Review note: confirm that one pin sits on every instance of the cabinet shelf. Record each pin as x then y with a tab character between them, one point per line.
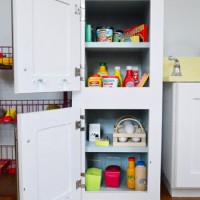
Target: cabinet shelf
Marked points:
116	46
91	147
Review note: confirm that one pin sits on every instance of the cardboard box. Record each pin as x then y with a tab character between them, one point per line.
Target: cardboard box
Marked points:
141	31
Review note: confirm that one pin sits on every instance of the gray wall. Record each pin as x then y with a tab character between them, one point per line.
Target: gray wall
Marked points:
182	28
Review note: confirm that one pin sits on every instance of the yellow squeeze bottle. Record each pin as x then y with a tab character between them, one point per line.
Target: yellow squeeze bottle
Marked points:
102	69
117	72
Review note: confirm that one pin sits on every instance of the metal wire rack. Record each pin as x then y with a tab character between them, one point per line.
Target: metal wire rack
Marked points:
6	54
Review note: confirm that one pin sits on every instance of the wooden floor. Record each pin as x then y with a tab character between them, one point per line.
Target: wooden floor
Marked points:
8	190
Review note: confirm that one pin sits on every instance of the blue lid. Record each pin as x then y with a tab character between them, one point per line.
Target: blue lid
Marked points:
140	163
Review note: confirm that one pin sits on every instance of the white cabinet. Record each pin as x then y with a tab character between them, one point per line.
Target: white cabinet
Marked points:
71	147
180	160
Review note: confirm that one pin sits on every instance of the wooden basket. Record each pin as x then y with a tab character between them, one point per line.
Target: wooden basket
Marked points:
139	133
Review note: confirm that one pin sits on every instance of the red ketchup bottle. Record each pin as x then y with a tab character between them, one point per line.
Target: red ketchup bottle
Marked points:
129	80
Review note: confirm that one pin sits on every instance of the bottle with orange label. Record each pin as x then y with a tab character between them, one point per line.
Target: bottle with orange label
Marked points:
130	173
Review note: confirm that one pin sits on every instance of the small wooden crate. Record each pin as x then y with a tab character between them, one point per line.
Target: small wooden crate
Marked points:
129	143
138	134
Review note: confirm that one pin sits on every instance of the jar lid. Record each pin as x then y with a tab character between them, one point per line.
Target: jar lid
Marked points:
117	67
110	77
113	168
129	67
141	163
131	159
104	27
95	75
119	31
102	63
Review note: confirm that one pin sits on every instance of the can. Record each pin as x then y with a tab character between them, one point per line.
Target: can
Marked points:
104	34
110	81
117	35
94	81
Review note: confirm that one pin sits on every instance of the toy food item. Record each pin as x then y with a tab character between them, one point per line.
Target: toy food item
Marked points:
52	106
104	34
94	81
141	31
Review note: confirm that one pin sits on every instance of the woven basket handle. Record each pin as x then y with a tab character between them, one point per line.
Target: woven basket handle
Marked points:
125	118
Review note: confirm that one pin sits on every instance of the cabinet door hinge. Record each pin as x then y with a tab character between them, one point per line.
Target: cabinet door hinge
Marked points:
78	73
79	184
78	126
77	9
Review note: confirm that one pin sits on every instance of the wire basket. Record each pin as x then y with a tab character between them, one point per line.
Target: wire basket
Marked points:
7	159
6	60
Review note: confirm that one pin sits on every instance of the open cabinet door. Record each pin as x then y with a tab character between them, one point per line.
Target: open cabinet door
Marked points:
49	155
46	45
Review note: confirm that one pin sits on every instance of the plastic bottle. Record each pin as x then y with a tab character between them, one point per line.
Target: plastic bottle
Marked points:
140	176
130	173
136	74
117	72
102	69
129	79
94	81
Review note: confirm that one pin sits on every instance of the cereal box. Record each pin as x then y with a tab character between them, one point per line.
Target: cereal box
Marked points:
140	30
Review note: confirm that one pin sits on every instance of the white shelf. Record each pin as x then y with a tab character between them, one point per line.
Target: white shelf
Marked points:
91	147
115	46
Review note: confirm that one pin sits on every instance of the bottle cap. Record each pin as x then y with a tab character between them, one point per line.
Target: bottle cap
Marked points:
102	64
131	159
129	68
117	67
141	163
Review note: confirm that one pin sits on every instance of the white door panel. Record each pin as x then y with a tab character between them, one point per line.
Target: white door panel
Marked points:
49	155
188	137
46	45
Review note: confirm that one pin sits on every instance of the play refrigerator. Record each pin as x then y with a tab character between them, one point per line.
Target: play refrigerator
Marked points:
51	55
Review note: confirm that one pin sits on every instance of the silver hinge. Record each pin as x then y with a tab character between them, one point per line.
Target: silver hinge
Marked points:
82	116
78	73
79	185
77	9
78	126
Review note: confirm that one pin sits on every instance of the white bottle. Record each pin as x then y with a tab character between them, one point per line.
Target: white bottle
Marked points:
140	176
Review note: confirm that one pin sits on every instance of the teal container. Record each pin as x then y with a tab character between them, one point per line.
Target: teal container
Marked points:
88	33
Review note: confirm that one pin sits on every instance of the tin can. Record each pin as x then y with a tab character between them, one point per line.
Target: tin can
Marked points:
104	34
110	81
117	35
94	81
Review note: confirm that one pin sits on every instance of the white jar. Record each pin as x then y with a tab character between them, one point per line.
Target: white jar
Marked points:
140	176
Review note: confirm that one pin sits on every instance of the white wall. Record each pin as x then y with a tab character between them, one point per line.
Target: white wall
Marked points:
5	23
182	28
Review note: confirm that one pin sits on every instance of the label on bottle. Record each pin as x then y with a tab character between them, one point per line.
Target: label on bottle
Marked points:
130	84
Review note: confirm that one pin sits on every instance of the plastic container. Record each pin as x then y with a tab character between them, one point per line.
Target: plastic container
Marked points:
130	173
129	79
112	176
88	33
140	176
136	74
117	72
95	81
102	69
110	81
93	179
104	34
